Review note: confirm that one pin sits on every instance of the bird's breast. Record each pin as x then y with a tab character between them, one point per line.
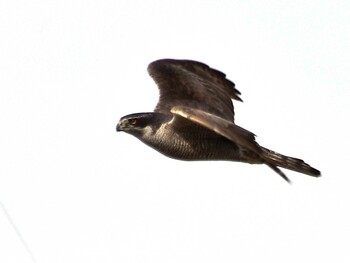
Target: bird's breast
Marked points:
193	143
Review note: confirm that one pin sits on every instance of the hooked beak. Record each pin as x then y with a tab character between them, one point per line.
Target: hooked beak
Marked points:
120	126
123	125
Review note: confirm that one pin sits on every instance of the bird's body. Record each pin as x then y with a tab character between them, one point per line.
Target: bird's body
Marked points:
206	145
194	119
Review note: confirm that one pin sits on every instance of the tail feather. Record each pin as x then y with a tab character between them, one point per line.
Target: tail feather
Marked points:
274	159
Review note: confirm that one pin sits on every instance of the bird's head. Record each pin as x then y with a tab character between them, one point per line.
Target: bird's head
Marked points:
138	124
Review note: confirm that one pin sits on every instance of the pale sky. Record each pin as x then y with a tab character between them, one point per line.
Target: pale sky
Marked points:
73	190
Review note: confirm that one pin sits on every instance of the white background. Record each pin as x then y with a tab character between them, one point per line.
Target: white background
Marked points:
77	191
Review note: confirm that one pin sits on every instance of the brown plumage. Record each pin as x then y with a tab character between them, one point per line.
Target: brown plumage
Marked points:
194	119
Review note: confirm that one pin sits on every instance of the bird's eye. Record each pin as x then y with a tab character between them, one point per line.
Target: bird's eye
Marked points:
133	121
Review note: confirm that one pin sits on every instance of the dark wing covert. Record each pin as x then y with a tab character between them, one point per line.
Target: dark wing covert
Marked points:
193	84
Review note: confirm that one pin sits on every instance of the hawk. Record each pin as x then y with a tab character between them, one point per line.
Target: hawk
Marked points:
194	119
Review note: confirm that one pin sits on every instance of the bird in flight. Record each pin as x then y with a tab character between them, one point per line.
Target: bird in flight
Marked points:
194	119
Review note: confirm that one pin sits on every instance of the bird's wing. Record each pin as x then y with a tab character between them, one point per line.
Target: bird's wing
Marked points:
241	137
227	129
193	84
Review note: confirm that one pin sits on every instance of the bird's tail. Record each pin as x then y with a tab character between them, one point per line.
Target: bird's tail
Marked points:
274	159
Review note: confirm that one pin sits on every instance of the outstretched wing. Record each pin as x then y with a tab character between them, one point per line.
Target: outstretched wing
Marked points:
195	85
242	137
